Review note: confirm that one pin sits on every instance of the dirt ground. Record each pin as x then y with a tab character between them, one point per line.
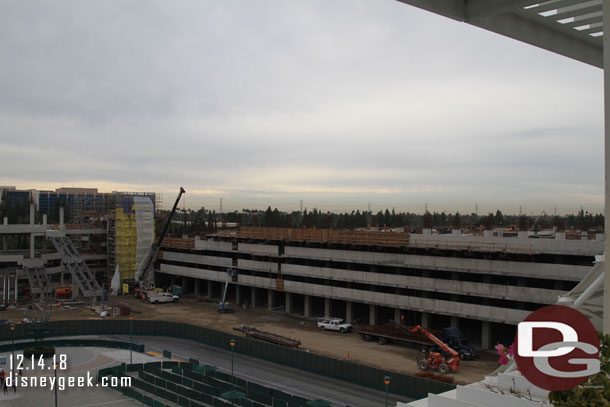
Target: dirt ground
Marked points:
391	357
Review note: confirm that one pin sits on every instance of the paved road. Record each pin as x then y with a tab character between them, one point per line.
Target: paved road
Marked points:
284	378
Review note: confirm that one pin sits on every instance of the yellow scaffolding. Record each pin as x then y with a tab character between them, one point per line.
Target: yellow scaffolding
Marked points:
126	243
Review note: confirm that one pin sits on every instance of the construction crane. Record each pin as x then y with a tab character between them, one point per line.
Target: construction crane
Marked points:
543	213
445	361
223	308
145	280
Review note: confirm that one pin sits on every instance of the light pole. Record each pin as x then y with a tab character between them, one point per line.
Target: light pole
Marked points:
12	327
55	368
130	342
386	380
232	343
233	394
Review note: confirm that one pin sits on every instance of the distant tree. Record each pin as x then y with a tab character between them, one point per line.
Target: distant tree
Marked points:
523	222
489	221
558	223
211	222
499	218
387	220
427	220
599	220
457	221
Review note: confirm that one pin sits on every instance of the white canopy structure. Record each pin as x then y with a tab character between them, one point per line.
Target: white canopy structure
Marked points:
573	28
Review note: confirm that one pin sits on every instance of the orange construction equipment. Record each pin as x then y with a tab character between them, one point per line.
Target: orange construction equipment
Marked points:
445	361
65	292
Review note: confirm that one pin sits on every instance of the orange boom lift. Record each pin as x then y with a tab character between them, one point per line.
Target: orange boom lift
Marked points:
445	361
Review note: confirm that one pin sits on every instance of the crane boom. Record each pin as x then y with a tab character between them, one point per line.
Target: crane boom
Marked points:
144	275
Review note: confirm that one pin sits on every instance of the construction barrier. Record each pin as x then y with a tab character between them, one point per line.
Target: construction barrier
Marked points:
402	384
64	343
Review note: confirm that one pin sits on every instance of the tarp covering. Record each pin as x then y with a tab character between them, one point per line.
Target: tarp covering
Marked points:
145	227
115	284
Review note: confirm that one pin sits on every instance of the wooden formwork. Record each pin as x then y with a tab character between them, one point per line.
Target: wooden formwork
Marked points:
357	237
178	243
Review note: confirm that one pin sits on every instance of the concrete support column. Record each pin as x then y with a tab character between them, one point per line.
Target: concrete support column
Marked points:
237	295
288	306
606	11
454	322
372	314
4	246
197	287
61	218
485	335
327	307
269	299
425	323
348	312
253	296
209	292
307	306
183	284
31	234
61	278
397	315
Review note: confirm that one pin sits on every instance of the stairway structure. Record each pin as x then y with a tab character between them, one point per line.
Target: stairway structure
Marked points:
81	274
40	286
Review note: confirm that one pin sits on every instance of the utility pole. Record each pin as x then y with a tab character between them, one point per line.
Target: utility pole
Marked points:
476	209
426	208
519	210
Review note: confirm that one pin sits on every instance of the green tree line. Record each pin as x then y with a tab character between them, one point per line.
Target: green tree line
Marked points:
202	220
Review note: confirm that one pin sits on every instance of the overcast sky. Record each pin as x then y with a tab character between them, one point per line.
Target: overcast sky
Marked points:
269	102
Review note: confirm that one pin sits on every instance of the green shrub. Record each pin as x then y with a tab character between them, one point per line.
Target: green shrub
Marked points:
37	350
595	391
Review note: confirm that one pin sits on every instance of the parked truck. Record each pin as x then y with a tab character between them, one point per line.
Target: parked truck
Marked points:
156	298
333	324
393	332
456	340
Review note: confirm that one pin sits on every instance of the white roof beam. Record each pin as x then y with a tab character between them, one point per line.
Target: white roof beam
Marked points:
576	12
485	8
455	10
555	5
543	36
510	19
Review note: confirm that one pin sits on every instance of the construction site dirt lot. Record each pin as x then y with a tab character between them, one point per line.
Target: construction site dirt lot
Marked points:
391	357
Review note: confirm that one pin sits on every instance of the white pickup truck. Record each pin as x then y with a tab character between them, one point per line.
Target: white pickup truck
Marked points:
333	324
156	298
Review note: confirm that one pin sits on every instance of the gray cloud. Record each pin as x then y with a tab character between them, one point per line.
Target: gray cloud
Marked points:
270	102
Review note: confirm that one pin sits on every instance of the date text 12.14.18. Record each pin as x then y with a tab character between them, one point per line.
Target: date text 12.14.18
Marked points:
58	361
